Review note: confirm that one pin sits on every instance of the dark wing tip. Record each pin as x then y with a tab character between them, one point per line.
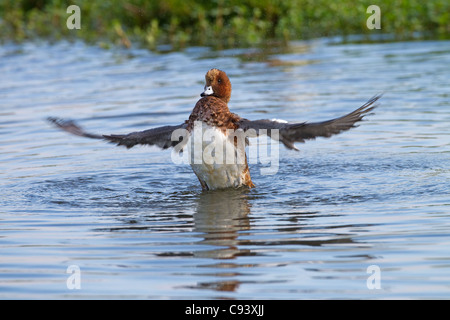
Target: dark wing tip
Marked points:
370	105
365	110
61	123
71	127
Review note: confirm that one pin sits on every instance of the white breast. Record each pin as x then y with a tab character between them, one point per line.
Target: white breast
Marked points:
214	157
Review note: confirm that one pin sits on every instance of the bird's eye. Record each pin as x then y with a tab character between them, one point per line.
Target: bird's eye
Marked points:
220	80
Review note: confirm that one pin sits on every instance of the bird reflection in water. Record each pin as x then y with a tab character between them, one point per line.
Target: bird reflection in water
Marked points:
221	217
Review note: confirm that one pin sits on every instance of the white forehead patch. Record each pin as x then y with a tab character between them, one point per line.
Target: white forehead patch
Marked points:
208	91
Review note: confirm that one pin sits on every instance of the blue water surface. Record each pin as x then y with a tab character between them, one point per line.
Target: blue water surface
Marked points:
139	226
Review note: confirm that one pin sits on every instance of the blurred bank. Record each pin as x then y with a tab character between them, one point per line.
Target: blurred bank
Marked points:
220	23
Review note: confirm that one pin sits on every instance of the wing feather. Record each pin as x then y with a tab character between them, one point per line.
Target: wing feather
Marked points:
161	136
289	133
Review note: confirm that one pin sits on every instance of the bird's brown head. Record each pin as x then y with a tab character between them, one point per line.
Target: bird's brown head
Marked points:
217	85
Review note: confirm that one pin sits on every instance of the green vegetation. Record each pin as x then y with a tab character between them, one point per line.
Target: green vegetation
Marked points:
218	23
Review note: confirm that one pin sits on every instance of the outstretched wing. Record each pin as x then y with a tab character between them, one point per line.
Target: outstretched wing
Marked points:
161	136
289	133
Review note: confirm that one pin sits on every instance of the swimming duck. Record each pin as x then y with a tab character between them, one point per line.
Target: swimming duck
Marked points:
211	113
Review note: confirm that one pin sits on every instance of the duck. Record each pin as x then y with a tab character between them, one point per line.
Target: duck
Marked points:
212	116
